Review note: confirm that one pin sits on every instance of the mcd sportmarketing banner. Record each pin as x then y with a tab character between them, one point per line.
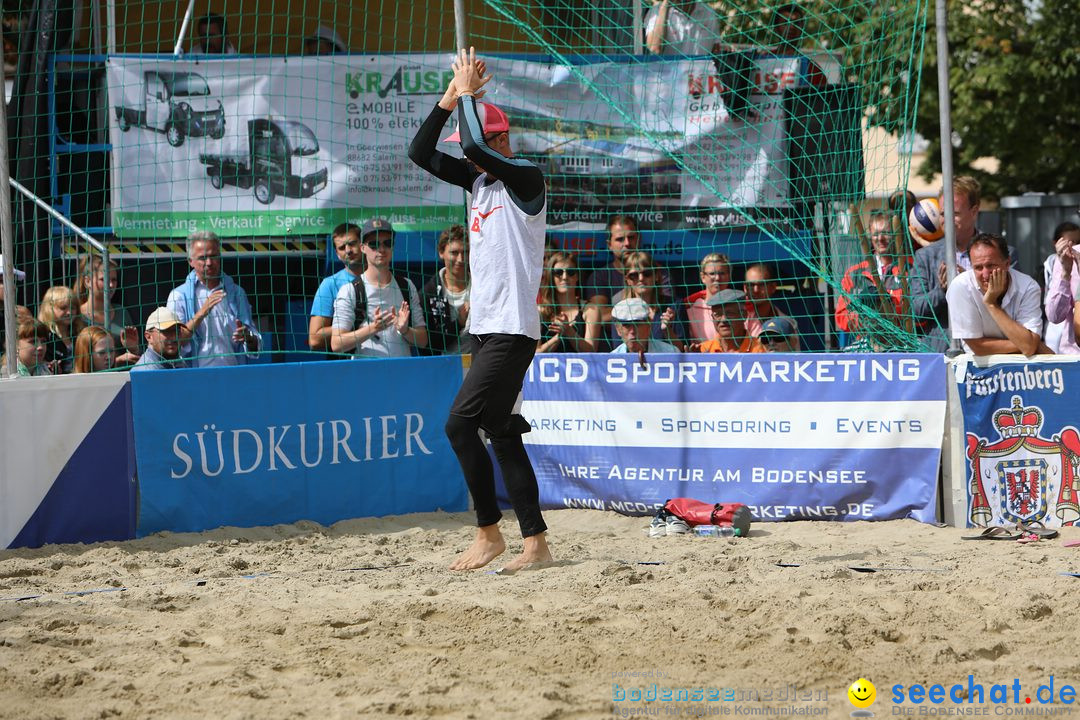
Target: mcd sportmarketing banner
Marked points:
794	437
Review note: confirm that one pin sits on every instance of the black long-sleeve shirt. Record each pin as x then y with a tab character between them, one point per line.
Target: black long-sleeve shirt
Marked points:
523	179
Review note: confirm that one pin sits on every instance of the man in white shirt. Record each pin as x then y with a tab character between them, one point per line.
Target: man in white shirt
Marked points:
507	222
993	309
217	327
382	322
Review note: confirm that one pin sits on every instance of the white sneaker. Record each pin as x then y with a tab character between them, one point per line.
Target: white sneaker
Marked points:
676	525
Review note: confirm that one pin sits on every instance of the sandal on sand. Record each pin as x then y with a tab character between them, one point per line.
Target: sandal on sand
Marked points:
995	532
1039	530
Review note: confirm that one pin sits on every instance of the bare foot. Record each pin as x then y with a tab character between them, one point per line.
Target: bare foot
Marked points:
535	552
487	546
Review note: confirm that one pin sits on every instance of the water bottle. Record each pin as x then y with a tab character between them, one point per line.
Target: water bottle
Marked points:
717	531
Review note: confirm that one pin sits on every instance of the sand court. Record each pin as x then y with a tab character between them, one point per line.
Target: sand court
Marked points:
362	619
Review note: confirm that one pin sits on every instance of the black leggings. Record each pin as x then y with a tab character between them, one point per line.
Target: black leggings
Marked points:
486	400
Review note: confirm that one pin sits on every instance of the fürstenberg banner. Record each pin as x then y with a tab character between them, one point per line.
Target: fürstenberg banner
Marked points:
273	146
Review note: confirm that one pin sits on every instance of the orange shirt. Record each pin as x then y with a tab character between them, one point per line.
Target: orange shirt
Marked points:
749	345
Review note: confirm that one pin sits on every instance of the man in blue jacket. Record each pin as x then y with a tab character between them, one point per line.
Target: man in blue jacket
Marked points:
217	325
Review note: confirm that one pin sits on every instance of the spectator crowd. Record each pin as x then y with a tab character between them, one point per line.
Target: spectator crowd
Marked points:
628	305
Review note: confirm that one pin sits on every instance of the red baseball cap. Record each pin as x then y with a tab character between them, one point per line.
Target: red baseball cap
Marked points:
492	119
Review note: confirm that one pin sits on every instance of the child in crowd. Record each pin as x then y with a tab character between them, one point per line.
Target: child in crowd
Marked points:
32	339
58	314
95	350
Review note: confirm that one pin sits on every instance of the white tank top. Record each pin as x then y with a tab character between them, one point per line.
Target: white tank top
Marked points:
506	260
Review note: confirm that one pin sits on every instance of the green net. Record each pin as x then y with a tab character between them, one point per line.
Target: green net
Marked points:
744	145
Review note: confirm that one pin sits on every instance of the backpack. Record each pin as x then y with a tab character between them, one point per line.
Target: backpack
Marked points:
361	297
696	512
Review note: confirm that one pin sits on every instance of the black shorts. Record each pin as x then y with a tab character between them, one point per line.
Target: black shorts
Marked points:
491	386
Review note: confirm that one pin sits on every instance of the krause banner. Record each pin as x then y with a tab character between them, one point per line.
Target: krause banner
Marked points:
267	444
272	146
1022	444
795	437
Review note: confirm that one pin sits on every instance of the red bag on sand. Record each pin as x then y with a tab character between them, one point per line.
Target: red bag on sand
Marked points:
696	512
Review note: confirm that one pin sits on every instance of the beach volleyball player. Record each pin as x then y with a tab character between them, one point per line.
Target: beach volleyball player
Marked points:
507	220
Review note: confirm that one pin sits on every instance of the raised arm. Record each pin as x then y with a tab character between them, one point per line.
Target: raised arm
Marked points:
521	177
423	152
655	28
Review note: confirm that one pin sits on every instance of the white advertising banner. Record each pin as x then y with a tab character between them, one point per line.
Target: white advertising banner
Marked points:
275	146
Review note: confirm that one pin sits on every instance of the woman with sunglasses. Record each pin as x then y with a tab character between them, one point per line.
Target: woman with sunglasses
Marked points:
641	276
568	323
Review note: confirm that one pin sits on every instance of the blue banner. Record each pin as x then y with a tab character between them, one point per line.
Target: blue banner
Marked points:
67	461
795	437
1022	444
321	441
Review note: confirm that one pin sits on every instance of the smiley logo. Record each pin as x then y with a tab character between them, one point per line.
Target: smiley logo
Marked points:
862	693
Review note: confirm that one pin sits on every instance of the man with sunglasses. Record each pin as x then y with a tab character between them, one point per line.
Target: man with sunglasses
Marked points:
779	334
507	221
389	324
729	316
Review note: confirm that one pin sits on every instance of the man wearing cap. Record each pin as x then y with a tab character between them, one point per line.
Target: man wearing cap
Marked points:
379	314
216	324
634	326
779	334
729	317
325	41
162	342
507	221
347	240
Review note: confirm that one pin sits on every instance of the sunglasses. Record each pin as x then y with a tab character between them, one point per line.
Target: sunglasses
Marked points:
563	272
633	276
376	244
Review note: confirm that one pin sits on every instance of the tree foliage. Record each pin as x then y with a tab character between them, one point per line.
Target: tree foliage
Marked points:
1014	76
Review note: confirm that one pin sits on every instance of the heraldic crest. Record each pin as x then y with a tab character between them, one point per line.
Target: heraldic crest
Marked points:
1023	477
